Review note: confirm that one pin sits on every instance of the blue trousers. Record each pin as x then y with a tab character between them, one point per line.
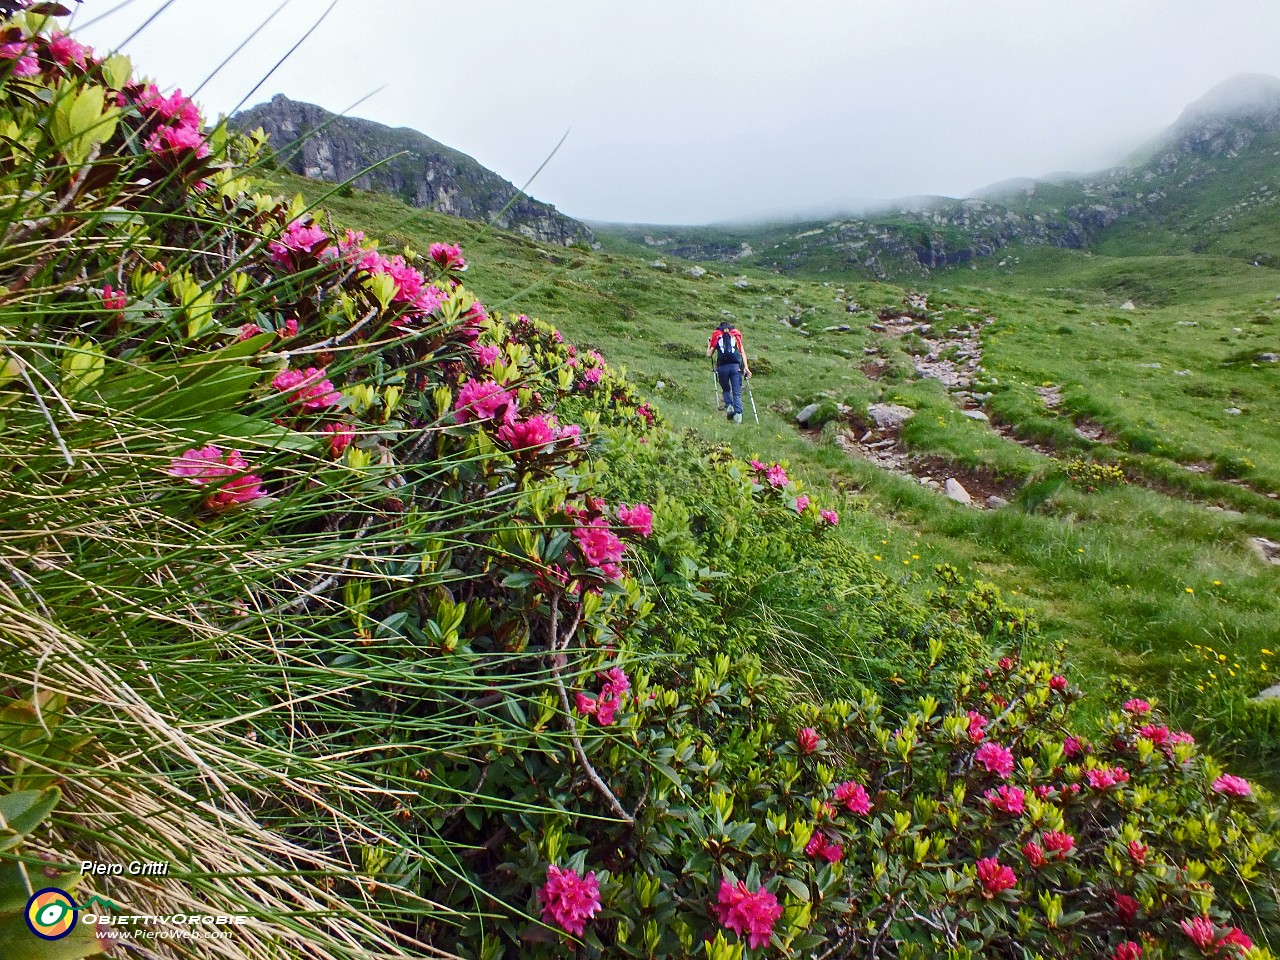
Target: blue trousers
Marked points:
731	384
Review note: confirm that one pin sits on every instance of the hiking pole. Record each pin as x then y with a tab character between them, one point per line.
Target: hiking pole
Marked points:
715	390
751	393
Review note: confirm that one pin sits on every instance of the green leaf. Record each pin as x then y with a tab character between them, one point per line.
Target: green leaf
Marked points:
116	70
22	812
20	944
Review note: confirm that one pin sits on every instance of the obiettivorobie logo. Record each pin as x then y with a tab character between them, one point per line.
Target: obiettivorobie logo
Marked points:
51	913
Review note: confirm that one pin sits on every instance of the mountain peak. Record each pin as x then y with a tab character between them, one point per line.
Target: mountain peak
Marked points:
1246	96
315	143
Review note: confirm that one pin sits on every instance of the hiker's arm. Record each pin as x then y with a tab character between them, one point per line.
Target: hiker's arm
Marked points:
746	367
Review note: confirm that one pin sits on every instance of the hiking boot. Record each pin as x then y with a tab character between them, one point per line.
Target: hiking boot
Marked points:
737	418
730	416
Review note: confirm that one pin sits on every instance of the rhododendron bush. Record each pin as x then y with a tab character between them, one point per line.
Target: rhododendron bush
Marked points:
401	625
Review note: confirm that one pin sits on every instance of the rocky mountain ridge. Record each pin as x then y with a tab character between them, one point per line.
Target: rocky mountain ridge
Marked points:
316	143
1218	163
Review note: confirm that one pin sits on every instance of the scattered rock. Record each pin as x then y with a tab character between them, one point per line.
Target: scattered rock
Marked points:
1268	551
807	413
1052	396
659	264
741	283
838	328
1128	305
1188	323
957	492
976	415
1233	411
696	272
995	503
1182	373
660	385
853	307
1269	357
889	416
1150	366
1225	511
877	327
1271	693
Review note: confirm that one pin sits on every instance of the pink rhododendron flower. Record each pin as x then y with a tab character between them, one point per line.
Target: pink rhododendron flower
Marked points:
1058	842
807	740
448	256
1071	746
995	759
174	107
776	476
1181	736
429	300
113	299
25	62
637	519
1126	908
1158	736
605	706
1235	786
1235	937
1009	799
616	681
820	846
1034	854
298	237
526	435
994	876
1127	951
65	50
598	544
815	844
830	516
977	727
1005	664
571	432
1058	682
290	329
174	141
758	466
747	913
1103	778
854	797
206	465
1138	852
308	389
248	331
487	355
1137	706
1202	933
340	437
483	400
802	503
592	375
569	899
646	411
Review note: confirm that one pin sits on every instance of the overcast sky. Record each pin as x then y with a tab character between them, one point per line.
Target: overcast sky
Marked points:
694	111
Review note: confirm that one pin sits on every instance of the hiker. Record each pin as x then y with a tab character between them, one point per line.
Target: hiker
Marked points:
725	345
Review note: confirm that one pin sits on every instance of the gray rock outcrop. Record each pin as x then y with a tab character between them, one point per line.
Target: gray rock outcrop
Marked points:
315	143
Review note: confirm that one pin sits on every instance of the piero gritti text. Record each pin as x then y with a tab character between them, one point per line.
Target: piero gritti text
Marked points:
135	868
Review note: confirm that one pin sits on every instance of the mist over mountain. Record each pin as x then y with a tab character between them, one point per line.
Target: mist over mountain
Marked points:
1213	175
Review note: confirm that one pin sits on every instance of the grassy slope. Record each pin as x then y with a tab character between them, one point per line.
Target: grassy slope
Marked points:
1108	572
